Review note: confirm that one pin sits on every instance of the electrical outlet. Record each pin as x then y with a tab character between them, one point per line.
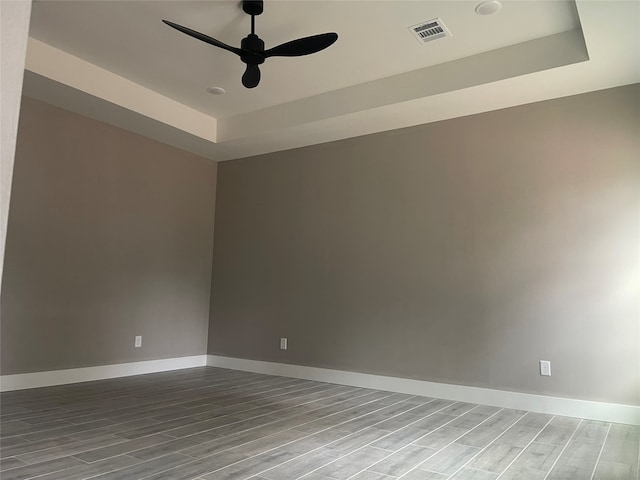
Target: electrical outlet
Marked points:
545	368
283	343
138	341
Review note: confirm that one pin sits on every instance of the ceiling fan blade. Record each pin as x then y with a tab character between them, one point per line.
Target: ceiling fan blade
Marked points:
302	46
203	37
251	77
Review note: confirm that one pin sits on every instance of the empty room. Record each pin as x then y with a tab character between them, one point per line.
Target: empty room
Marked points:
320	240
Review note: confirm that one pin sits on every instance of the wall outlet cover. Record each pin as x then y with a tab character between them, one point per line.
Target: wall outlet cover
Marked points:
545	368
138	341
283	343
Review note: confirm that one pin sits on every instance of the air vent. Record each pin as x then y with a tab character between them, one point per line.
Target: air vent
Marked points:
430	30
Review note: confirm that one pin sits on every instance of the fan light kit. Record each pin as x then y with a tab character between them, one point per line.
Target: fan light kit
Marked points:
252	50
488	8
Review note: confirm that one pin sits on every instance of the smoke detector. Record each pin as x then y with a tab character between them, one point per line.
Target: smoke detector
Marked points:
430	30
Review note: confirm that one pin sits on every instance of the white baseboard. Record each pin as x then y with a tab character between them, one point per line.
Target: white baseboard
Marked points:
609	412
76	375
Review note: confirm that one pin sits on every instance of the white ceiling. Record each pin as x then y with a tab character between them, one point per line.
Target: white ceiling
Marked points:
115	61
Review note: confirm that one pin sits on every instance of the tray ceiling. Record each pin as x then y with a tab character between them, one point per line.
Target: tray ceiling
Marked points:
115	61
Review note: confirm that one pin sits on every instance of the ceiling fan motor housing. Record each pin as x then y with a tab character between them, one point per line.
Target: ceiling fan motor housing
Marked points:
253	49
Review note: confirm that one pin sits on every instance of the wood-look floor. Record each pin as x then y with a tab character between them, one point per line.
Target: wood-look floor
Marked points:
215	424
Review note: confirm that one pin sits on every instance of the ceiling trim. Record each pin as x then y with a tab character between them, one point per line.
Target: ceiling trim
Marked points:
528	57
66	69
78	101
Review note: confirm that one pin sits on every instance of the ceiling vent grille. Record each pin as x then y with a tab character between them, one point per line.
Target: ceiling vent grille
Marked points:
430	30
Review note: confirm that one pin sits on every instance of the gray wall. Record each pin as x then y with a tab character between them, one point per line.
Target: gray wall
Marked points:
462	251
109	237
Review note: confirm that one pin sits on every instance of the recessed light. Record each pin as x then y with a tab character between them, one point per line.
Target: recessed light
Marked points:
216	90
488	8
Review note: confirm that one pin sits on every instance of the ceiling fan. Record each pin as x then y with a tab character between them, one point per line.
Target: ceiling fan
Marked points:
252	50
